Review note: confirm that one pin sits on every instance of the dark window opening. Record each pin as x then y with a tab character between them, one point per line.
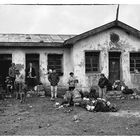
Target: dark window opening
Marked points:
135	62
55	62
5	64
92	62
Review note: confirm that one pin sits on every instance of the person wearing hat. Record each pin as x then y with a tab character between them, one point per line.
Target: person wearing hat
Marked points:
103	83
71	81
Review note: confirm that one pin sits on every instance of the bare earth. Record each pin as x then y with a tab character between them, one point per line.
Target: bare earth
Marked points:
38	116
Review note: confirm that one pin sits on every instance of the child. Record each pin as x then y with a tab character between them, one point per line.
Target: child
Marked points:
23	92
103	83
9	86
18	84
71	81
40	90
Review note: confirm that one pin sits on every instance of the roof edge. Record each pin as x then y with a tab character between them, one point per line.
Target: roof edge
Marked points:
104	27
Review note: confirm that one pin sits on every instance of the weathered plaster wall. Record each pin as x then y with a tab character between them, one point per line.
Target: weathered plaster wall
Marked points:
18	57
101	42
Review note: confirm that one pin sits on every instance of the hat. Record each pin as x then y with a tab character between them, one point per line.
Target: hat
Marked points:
71	73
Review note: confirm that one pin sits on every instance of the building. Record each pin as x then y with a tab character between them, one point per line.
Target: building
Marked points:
112	49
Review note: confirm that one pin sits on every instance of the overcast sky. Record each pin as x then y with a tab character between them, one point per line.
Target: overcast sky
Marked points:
68	19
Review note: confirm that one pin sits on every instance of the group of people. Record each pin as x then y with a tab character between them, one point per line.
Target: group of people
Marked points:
15	82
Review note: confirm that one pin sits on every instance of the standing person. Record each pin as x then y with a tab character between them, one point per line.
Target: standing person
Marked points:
12	75
71	81
103	83
53	79
18	84
31	76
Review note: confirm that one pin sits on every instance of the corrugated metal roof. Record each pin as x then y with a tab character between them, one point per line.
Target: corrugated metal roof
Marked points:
34	38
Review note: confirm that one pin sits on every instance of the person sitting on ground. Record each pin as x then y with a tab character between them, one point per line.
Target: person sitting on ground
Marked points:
71	81
40	90
67	99
76	94
103	83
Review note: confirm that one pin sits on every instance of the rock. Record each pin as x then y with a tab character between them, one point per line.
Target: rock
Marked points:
131	97
39	126
48	125
85	130
75	117
19	118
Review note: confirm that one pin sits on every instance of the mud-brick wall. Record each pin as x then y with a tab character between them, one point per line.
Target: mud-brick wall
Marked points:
18	57
66	64
101	42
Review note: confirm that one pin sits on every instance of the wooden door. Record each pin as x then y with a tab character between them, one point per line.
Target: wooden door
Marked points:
114	67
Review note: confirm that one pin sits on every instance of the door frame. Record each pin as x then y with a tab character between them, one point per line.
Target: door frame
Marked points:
120	62
28	59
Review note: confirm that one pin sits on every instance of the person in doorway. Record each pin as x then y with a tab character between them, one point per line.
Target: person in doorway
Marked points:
31	77
103	83
53	79
12	75
71	81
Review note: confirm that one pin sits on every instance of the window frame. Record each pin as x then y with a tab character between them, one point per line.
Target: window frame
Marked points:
135	58
91	63
61	65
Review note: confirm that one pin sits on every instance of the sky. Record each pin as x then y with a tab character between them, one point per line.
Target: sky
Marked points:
64	19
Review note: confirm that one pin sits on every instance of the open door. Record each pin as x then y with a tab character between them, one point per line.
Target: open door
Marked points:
114	66
34	59
5	63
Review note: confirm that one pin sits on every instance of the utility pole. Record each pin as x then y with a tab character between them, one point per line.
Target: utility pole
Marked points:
117	13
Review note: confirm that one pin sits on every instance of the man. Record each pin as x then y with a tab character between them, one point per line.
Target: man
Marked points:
103	83
53	79
12	75
31	76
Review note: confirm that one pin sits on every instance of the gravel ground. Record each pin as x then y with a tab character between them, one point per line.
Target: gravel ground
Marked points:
38	116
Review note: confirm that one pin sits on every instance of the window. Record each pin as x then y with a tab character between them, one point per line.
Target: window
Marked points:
92	62
135	62
55	61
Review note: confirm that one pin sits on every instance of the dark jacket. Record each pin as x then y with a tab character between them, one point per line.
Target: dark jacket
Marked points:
33	74
103	82
53	79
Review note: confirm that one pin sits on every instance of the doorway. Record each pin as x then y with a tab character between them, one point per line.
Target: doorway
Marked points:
34	59
114	66
5	63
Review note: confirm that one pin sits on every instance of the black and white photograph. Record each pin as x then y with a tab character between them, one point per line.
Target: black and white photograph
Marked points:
69	68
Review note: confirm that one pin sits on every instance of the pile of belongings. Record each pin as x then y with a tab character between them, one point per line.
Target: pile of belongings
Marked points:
118	85
98	105
91	104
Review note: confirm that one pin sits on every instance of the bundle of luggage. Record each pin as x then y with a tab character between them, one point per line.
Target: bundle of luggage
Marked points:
99	105
91	103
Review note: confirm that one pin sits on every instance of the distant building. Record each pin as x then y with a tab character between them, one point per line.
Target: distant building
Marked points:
112	49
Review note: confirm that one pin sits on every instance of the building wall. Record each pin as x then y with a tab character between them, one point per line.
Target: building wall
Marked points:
18	57
101	42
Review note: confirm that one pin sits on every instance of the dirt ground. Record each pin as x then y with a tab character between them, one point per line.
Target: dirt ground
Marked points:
38	116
